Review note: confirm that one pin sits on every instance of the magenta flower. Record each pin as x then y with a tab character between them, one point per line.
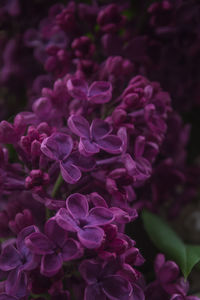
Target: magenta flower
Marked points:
103	282
99	92
17	261
54	246
59	147
94	137
77	217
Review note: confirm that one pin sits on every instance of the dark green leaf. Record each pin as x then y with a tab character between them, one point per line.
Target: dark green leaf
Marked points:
164	238
193	257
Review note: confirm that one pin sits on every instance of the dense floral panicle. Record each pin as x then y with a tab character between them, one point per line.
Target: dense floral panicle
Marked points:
96	134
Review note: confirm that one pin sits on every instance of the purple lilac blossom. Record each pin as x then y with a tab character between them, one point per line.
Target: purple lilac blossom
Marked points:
112	136
77	217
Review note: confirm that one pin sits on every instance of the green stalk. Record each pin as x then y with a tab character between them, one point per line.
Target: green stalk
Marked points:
57	185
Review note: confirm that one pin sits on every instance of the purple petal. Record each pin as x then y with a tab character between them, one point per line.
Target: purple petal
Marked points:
94	291
10	258
71	250
91	237
79	126
122	134
139	146
116	287
97	200
77	206
168	272
7	297
84	163
51	264
65	221
99	129
99	216
23	234
111	144
55	233
138	293
16	284
58	146
39	243
90	270
159	262
77	88
100	92
70	173
87	148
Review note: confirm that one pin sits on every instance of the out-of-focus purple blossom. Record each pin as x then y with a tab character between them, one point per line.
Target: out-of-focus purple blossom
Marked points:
110	19
22	219
99	92
77	217
83	47
168	282
103	281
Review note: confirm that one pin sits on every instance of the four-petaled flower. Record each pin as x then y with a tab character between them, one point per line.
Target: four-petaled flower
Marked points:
99	92
103	282
17	260
54	246
59	147
77	217
94	137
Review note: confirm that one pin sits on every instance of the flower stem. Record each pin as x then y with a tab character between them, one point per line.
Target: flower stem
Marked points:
57	185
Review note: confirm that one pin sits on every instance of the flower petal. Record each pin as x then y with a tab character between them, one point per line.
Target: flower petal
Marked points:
10	258
7	297
77	88
79	126
65	221
71	250
58	146
99	216
40	244
87	148
90	270
23	234
111	144
99	129
51	264
116	287
94	291
55	233
84	163
77	206
16	284
100	92
70	173
91	237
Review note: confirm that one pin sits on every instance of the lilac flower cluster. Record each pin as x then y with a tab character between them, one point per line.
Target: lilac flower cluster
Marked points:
94	148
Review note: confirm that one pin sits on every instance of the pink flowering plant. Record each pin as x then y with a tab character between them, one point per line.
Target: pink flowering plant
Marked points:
94	170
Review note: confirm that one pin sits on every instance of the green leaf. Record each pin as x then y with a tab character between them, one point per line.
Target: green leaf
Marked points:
193	257
168	242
